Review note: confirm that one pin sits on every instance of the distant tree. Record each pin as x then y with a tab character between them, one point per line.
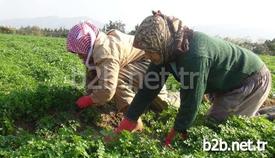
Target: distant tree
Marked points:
35	30
47	32
270	44
7	30
261	49
243	42
118	25
60	32
268	47
133	32
24	30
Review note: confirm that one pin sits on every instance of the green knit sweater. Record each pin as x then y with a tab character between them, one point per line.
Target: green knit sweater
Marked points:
211	65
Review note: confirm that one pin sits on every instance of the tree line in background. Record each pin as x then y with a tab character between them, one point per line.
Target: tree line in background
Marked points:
59	32
266	47
35	30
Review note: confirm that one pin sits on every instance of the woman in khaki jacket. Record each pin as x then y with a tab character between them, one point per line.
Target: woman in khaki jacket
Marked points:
115	68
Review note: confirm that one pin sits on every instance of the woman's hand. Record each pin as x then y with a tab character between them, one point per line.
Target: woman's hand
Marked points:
84	101
171	135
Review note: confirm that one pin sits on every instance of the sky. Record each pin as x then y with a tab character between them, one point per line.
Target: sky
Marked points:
241	13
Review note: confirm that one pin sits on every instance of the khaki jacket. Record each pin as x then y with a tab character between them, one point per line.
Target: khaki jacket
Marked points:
111	53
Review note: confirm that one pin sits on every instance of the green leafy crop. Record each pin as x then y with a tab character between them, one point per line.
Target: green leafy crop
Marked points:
39	83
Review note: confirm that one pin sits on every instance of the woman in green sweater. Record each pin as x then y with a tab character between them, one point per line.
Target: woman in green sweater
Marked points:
237	78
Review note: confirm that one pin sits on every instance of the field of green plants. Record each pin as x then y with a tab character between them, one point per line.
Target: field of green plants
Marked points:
39	83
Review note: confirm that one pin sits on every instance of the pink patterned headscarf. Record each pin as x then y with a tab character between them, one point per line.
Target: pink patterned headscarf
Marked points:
81	38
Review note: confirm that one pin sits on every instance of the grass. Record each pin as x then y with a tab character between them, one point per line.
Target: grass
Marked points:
38	116
270	62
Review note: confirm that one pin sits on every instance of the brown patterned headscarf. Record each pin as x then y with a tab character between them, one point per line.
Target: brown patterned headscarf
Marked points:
164	35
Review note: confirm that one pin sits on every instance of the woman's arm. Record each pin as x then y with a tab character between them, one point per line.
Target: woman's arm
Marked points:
153	82
192	91
107	73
